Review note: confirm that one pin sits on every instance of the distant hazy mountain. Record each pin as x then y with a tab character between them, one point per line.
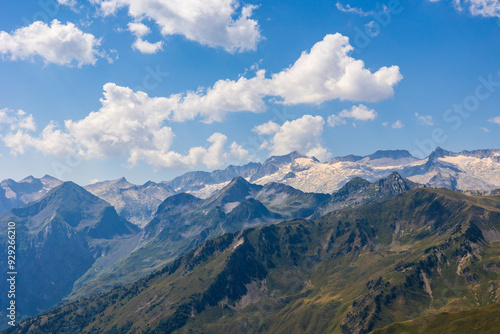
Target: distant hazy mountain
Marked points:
59	237
135	203
468	171
16	194
421	255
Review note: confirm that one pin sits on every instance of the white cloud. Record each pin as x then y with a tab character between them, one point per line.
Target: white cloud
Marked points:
52	141
385	124
122	131
212	157
397	125
484	8
424	119
224	97
303	135
325	73
72	4
62	44
215	23
268	128
147	47
334	120
353	10
238	152
126	121
140	30
495	120
128	124
328	72
136	125
17	120
360	113
484	129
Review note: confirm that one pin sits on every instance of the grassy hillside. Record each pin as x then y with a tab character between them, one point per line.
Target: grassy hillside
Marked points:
480	320
352	271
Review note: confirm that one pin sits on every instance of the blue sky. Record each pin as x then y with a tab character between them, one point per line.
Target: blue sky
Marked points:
151	89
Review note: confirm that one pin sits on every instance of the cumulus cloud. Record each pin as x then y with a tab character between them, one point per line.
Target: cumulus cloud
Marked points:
239	153
62	44
120	132
140	30
302	134
225	96
328	72
127	124
126	120
268	128
424	119
214	156
215	23
52	141
147	47
397	125
325	73
359	113
131	123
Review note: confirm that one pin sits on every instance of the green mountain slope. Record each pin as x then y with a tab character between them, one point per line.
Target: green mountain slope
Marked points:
484	320
351	271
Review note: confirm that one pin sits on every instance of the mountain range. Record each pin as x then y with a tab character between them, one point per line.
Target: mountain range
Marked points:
471	171
428	254
112	233
101	250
